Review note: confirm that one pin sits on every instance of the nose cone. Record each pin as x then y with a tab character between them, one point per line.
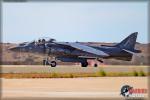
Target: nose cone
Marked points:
15	49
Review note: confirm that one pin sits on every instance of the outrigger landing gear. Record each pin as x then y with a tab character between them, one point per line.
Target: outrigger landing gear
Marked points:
95	65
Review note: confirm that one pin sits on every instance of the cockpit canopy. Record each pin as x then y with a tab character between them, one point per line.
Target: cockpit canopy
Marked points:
39	41
45	40
22	44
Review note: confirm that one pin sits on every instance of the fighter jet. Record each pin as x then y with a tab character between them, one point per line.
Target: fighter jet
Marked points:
79	52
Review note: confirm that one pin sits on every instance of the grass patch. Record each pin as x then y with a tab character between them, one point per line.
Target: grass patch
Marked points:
135	73
119	74
142	73
100	73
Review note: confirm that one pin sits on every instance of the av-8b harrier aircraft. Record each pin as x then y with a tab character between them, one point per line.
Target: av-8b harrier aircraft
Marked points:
79	52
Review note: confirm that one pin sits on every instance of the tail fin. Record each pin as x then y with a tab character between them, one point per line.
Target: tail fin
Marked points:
129	42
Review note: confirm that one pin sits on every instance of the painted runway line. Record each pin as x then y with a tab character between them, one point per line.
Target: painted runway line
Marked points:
28	93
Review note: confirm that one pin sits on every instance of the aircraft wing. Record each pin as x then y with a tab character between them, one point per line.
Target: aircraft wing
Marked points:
85	48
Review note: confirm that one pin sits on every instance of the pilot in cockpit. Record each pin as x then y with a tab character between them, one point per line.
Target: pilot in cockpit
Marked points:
43	41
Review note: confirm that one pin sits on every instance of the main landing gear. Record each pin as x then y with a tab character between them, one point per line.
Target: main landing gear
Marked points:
84	64
96	63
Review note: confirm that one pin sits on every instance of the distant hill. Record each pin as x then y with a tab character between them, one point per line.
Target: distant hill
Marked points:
9	57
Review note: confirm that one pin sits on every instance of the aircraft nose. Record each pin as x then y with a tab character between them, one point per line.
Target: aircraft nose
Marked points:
14	49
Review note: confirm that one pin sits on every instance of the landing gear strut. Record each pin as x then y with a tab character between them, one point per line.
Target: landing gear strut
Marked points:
100	60
45	62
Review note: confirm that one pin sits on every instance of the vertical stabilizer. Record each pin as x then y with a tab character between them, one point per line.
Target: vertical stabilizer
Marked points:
129	42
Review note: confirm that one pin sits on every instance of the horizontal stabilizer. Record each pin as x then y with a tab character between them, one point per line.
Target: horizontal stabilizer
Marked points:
132	52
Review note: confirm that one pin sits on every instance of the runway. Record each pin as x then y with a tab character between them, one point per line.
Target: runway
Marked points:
70	69
99	88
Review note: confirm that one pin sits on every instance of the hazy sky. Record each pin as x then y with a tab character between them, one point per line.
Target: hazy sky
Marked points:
75	21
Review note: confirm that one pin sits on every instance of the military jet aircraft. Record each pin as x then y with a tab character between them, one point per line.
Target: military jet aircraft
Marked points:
79	52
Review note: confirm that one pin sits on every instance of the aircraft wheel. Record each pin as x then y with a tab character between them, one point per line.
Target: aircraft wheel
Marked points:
53	63
84	64
95	65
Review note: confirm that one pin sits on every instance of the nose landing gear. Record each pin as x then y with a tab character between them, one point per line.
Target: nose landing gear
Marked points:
51	63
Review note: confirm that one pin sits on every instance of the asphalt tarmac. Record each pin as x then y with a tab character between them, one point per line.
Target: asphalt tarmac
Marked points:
97	88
